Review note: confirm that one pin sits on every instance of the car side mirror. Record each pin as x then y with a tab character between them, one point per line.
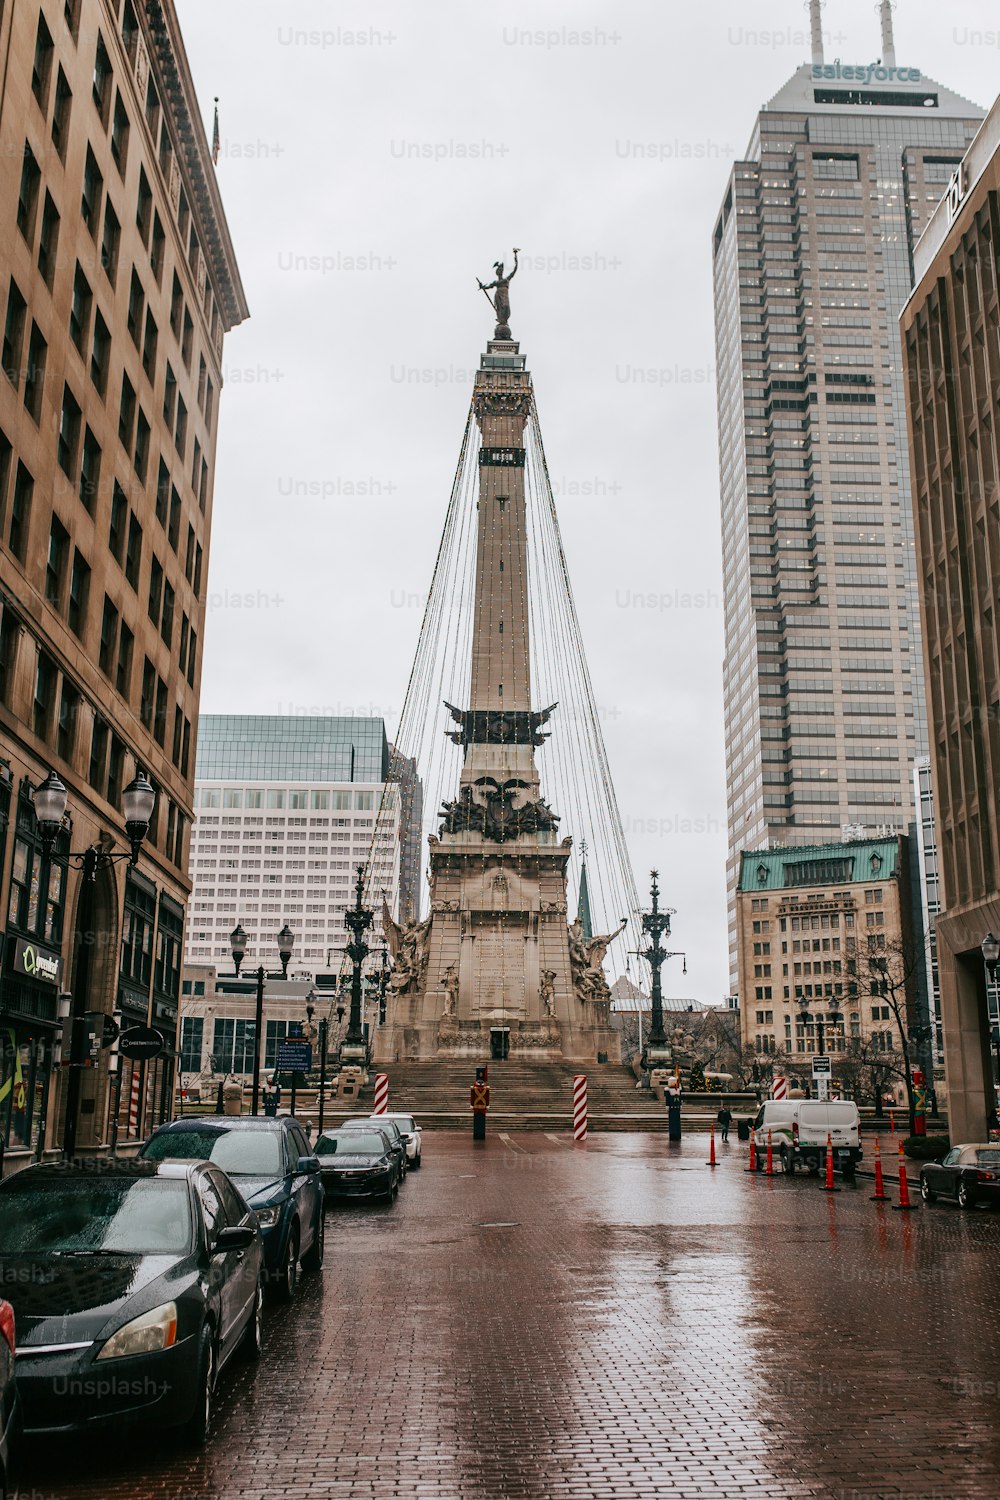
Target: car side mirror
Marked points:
233	1237
307	1164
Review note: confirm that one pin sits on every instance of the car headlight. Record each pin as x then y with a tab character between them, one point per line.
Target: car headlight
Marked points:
268	1217
144	1335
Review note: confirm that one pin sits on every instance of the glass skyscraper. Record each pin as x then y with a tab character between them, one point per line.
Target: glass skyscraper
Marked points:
812	252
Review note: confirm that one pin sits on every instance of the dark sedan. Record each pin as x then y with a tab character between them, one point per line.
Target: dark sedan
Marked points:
391	1130
133	1284
271	1163
357	1163
969	1174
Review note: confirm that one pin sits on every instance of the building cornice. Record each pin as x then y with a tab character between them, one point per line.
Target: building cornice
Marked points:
199	169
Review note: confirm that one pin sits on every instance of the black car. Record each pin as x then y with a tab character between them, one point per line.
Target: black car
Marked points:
271	1163
357	1163
969	1174
133	1284
388	1128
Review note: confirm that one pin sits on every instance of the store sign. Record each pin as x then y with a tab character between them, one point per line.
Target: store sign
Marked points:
36	962
865	73
141	1041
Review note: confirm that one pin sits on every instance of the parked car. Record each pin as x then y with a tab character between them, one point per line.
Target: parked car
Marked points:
358	1163
389	1128
407	1127
10	1405
799	1130
136	1282
273	1166
969	1174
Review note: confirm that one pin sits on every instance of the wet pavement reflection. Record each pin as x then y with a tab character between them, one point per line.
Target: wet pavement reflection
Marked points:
532	1318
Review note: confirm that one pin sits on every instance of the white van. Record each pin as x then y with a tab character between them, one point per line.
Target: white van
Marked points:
799	1130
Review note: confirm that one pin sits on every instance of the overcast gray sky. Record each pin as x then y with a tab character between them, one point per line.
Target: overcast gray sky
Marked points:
378	156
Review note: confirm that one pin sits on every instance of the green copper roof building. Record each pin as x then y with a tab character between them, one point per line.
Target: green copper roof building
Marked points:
819	864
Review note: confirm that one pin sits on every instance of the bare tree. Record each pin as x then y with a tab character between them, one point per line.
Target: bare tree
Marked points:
887	971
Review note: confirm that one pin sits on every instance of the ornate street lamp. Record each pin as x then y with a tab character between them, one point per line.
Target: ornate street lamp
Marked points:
991	955
238	947
49	800
656	924
358	919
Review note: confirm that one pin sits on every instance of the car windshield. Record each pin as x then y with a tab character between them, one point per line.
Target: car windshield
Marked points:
137	1216
388	1126
242	1153
351	1143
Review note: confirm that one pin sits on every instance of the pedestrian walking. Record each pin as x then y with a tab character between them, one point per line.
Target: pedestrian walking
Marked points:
725	1119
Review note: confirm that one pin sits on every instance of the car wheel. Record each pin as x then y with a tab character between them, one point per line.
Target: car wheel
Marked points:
313	1260
814	1169
416	1160
926	1191
252	1343
788	1163
289	1275
847	1171
966	1199
196	1429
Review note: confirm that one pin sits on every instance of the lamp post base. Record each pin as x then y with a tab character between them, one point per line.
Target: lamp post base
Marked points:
657	1055
354	1055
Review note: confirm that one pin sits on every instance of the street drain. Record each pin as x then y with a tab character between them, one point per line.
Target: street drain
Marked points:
501	1224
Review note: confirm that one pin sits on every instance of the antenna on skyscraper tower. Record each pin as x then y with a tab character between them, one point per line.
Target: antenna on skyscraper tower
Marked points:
816	26
885	9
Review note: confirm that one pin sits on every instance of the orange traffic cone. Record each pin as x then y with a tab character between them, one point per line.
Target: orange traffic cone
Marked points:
753	1151
711	1151
892	1122
904	1187
827	1186
770	1155
880	1195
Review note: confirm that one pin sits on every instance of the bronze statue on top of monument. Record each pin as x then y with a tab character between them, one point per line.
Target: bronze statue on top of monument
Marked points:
501	302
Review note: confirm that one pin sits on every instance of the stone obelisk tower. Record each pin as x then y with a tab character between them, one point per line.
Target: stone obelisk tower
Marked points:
495	969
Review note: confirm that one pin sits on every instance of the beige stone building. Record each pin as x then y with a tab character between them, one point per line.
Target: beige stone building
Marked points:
949	329
119	282
810	919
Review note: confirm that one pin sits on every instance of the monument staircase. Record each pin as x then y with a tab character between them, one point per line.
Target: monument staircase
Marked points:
524	1095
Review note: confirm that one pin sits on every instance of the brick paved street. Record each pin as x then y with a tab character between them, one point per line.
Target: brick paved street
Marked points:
533	1319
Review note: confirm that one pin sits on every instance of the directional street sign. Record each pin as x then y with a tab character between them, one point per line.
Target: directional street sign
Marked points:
294	1057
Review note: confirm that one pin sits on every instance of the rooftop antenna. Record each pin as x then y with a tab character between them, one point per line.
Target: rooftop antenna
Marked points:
816	26
885	10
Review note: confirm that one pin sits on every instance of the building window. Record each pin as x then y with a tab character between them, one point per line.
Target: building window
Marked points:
90	471
141	458
136	305
133	554
48	241
41	68
232	1045
55	568
155	591
35	906
167	618
34	373
69	433
93	192
69	704
110	242
126	414
100	354
109	637
137	935
43	707
102	80
27	198
146	699
20	512
80	309
152	108
61	114
13	334
174	529
119	135
79	591
116	530
123	678
149	343
192	1039
157	248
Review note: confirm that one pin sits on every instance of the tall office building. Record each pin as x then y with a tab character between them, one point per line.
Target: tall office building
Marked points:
812	250
286	809
949	333
119	281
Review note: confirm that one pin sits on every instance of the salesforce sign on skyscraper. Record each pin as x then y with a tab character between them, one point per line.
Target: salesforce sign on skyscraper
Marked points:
864	73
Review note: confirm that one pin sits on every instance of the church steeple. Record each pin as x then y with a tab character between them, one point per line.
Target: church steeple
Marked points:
583	900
